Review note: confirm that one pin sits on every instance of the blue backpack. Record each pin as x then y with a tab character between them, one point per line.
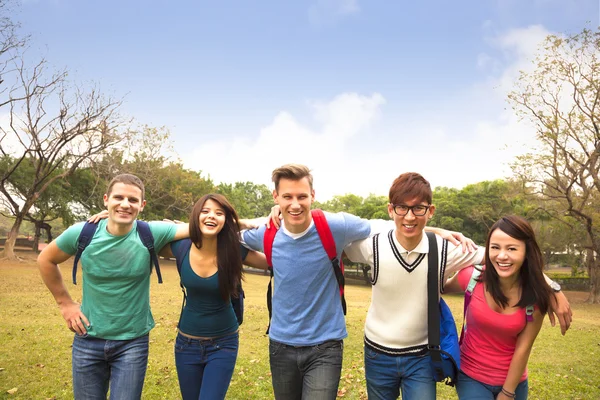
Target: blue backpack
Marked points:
236	302
143	230
443	346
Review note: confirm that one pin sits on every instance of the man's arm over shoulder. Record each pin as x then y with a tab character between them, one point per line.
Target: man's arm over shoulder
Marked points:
355	228
253	238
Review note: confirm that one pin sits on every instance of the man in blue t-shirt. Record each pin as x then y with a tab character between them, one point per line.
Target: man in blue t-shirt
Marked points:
307	325
113	321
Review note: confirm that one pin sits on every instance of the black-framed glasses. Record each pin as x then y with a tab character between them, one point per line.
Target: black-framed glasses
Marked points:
418	211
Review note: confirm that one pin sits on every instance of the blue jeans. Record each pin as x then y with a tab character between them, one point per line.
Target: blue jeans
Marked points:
386	375
99	362
205	366
306	372
469	388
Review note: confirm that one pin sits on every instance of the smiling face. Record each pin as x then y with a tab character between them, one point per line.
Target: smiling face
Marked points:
295	198
212	218
124	202
409	228
507	254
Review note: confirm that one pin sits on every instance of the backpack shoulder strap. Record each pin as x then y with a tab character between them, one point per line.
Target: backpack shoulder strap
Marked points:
329	244
145	234
529	313
85	238
268	240
184	246
468	294
473	281
182	249
433	308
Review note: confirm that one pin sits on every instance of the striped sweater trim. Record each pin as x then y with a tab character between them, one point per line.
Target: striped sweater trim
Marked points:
375	259
443	261
408	267
412	351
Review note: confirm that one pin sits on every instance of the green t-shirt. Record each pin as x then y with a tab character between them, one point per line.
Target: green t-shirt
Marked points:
116	279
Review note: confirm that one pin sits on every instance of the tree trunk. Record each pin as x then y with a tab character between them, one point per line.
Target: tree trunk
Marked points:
36	237
9	246
593	263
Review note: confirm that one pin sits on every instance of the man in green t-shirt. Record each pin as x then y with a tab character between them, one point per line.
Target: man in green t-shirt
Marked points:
113	321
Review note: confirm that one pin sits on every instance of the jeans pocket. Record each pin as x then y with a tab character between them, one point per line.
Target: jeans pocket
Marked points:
274	347
228	345
181	344
331	345
370	353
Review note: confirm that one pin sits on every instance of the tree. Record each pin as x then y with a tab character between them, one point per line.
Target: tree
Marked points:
249	199
561	98
53	127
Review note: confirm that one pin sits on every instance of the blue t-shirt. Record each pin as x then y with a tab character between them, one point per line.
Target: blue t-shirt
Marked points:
205	312
306	299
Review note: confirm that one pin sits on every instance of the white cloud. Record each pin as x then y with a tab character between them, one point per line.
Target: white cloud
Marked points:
324	12
286	140
354	148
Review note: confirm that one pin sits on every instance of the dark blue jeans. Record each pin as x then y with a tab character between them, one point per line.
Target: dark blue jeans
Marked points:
98	362
306	372
205	366
470	389
386	375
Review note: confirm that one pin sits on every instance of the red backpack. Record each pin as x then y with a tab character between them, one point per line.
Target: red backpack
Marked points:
329	245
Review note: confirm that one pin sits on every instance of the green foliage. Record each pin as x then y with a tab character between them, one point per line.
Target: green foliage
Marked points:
249	199
372	207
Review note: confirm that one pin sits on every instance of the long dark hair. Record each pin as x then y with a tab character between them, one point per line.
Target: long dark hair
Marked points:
534	289
229	260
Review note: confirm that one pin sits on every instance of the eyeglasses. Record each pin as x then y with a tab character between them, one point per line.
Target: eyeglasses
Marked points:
418	211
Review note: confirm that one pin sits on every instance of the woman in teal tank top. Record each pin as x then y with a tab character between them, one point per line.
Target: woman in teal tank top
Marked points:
211	268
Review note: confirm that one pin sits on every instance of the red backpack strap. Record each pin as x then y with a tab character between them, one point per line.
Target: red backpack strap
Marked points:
268	243
268	240
329	244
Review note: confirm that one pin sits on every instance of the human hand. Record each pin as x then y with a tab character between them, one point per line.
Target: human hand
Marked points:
275	217
75	319
457	238
560	307
97	217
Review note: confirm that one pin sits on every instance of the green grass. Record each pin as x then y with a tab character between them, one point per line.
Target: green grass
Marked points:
35	344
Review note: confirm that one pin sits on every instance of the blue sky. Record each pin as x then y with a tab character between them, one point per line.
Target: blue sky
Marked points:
359	91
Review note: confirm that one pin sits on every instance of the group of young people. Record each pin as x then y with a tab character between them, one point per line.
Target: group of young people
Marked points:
110	347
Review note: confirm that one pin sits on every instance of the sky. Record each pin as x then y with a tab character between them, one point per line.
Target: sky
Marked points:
359	91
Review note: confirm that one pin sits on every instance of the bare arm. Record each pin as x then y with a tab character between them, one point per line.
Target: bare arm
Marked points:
256	260
48	261
182	232
456	238
560	307
521	356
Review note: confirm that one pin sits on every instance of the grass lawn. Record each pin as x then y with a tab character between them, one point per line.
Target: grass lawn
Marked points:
35	345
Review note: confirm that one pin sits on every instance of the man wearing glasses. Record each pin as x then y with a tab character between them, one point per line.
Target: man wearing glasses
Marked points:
396	338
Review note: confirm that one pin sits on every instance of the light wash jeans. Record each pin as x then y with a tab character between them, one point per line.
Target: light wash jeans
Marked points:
99	364
386	375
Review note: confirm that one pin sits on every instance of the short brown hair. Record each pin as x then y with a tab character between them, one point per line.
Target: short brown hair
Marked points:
408	186
127	179
294	172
